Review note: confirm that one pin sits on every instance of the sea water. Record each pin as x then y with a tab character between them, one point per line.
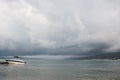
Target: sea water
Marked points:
37	69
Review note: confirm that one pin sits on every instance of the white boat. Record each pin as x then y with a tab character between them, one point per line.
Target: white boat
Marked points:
15	61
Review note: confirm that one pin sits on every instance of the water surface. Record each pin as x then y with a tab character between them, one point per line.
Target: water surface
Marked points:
36	69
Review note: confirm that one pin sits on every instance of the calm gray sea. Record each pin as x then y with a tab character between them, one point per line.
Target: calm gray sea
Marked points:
36	69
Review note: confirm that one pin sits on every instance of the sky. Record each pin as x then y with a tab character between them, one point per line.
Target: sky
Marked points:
64	27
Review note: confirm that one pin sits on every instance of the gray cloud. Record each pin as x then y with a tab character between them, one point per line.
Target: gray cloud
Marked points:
57	25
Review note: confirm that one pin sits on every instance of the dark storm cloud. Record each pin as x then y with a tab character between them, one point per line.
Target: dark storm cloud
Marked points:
60	27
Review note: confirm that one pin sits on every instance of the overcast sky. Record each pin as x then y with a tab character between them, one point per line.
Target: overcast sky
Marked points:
60	26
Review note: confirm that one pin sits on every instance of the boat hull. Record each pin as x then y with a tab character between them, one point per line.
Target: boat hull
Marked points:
12	62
